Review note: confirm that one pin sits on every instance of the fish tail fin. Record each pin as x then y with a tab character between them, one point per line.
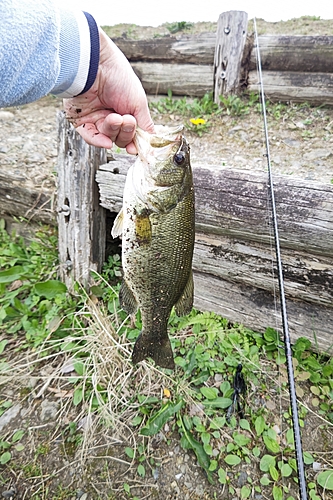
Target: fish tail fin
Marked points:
146	346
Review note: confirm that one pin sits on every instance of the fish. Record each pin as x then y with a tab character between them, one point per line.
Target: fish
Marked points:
157	227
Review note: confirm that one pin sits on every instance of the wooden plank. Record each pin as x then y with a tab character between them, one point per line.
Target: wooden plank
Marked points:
230	42
294	53
234	257
256	309
20	197
233	203
184	49
182	79
315	88
278	52
81	220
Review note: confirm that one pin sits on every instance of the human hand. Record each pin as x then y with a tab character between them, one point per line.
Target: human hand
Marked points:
115	104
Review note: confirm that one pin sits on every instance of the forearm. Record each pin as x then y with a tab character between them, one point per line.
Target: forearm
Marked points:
45	49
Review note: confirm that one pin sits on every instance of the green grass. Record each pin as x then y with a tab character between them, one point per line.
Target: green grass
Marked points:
39	316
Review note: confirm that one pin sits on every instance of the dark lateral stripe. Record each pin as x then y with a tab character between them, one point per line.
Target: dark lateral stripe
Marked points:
94	52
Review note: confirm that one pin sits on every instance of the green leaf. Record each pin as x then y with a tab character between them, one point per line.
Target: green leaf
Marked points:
156	422
266	462
277	493
256	451
3	344
225	387
217	403
129	452
213	465
5	457
50	289
259	425
244	424
240	439
12	274
217	423
19	447
232	459
271	445
209	392
79	367
245	492
136	420
127	488
141	470
198	449
222	476
274	473
17	436
286	470
308	458
265	481
78	396
325	479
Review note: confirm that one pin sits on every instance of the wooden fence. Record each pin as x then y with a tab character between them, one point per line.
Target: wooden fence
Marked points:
295	68
234	254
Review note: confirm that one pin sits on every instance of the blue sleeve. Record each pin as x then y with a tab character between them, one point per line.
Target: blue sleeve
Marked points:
45	49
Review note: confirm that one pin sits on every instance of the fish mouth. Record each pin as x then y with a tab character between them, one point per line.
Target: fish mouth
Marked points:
162	141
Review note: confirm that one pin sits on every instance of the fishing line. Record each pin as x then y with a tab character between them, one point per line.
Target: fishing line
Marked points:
287	343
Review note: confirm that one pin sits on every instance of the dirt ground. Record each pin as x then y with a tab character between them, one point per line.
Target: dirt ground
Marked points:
301	143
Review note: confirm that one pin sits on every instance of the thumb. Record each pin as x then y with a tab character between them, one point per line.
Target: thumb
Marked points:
143	118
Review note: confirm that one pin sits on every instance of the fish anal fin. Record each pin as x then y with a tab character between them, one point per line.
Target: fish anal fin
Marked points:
185	302
127	299
117	228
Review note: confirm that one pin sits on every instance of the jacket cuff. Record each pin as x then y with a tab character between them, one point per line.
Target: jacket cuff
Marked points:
78	54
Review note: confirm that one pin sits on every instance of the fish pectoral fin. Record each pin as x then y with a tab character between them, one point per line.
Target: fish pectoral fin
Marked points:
185	302
127	299
117	228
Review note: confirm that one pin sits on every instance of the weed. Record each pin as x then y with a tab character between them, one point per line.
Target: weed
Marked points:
178	26
10	444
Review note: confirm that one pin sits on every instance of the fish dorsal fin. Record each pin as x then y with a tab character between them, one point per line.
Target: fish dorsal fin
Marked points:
117	228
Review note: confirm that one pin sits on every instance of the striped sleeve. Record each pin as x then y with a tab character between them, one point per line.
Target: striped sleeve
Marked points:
45	49
78	54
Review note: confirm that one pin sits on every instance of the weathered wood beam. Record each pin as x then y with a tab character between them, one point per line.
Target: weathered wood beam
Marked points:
312	54
278	52
182	79
314	88
230	43
234	259
81	220
185	49
20	197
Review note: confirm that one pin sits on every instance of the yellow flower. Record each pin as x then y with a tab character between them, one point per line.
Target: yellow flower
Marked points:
198	121
166	392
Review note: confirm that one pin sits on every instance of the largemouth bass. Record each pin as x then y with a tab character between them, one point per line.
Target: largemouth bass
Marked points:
157	228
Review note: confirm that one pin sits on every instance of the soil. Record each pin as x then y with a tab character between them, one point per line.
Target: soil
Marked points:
301	142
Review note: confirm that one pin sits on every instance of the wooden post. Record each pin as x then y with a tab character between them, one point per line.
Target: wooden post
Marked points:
81	220
230	42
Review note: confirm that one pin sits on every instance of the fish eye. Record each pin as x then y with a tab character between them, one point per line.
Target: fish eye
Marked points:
179	158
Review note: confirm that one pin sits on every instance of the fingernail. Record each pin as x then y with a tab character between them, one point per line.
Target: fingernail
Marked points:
115	127
127	129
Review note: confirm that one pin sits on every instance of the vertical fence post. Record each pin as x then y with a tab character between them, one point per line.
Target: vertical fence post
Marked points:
81	220
230	42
